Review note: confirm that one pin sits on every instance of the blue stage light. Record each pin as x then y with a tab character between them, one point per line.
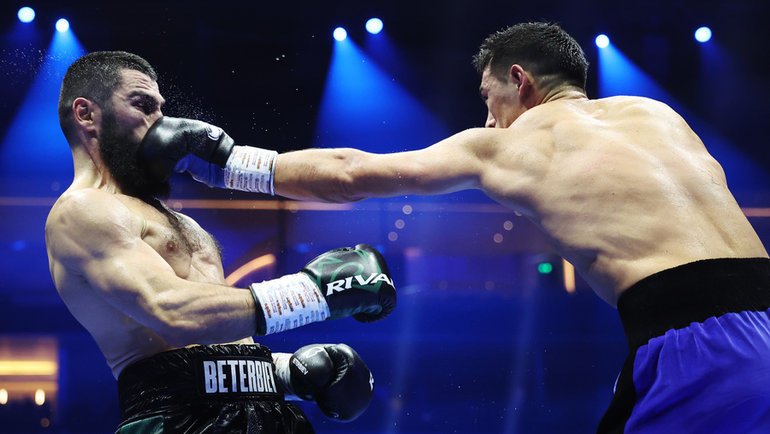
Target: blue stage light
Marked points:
26	14
62	25
374	26
703	34
602	41
340	34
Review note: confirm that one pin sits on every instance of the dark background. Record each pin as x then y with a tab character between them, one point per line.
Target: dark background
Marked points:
480	342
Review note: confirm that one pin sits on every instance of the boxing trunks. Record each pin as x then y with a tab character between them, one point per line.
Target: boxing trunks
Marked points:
211	389
699	351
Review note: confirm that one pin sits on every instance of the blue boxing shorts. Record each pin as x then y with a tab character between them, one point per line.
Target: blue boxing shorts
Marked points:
699	351
206	389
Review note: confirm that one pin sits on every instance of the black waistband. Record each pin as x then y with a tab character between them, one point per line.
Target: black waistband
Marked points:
693	292
201	374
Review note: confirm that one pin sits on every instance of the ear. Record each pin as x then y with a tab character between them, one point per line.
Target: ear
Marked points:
83	111
522	79
515	74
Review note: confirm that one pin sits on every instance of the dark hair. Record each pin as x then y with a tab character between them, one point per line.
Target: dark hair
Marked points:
95	76
544	49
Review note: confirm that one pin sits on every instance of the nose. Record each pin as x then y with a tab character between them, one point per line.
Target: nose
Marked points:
491	122
154	116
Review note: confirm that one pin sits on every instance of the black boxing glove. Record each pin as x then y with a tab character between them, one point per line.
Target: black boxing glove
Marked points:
207	153
335	377
337	284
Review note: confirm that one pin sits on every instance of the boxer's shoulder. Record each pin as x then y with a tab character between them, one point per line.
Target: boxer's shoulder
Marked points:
90	207
84	219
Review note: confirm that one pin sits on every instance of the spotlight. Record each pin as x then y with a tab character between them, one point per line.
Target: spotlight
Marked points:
26	14
62	25
703	34
374	26
340	34
602	41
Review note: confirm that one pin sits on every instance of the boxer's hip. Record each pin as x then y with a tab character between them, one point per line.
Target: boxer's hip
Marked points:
677	297
217	388
699	350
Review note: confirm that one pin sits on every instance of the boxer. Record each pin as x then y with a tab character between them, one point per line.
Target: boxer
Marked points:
621	187
148	283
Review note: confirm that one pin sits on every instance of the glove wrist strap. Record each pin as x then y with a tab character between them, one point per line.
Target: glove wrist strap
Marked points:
289	302
250	169
283	374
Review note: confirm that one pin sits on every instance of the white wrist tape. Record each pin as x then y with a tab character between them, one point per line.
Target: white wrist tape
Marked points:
250	169
289	302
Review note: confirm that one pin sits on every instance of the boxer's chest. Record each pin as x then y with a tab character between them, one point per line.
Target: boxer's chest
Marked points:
191	252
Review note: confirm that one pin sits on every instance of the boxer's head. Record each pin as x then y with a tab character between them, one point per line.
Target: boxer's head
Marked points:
116	95
520	60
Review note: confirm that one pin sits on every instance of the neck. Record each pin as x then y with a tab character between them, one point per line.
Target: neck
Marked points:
90	170
560	93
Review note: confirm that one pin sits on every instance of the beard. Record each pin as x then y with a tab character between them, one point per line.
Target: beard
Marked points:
118	148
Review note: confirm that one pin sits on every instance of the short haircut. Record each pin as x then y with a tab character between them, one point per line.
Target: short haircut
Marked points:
95	76
545	50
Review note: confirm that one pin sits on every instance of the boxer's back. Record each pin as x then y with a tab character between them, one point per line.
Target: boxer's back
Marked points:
626	189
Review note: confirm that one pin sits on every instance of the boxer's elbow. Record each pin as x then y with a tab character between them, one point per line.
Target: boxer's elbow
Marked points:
345	178
183	332
177	330
178	337
361	177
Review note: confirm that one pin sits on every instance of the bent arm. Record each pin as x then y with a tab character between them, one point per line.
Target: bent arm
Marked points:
346	175
96	237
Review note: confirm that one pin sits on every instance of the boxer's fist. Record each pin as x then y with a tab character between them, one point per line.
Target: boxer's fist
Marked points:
354	281
337	284
333	376
170	140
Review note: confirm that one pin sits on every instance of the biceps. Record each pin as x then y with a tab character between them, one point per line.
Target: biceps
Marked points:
132	281
433	170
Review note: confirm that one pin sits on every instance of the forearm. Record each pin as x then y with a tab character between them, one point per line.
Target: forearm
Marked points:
327	175
217	314
199	313
344	175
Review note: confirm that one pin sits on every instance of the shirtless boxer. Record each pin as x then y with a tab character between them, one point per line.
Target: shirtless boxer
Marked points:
148	284
622	188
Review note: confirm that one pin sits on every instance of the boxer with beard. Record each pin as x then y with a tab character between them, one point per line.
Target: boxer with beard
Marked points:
148	284
118	150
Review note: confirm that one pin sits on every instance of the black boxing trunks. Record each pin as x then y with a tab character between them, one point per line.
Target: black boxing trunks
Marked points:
699	351
211	389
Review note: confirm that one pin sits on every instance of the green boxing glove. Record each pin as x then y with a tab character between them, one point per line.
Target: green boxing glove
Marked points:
336	284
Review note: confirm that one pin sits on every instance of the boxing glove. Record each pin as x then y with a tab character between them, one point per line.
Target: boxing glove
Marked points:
335	377
207	153
337	284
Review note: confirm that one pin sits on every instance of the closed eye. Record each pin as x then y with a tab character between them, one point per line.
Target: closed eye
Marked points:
147	106
145	103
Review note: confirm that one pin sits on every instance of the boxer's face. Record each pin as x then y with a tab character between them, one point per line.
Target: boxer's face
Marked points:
501	98
134	107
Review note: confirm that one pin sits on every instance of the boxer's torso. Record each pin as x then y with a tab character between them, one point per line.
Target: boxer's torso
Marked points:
622	187
190	251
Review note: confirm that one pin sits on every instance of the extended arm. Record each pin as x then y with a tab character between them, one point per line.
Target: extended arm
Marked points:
344	175
334	175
